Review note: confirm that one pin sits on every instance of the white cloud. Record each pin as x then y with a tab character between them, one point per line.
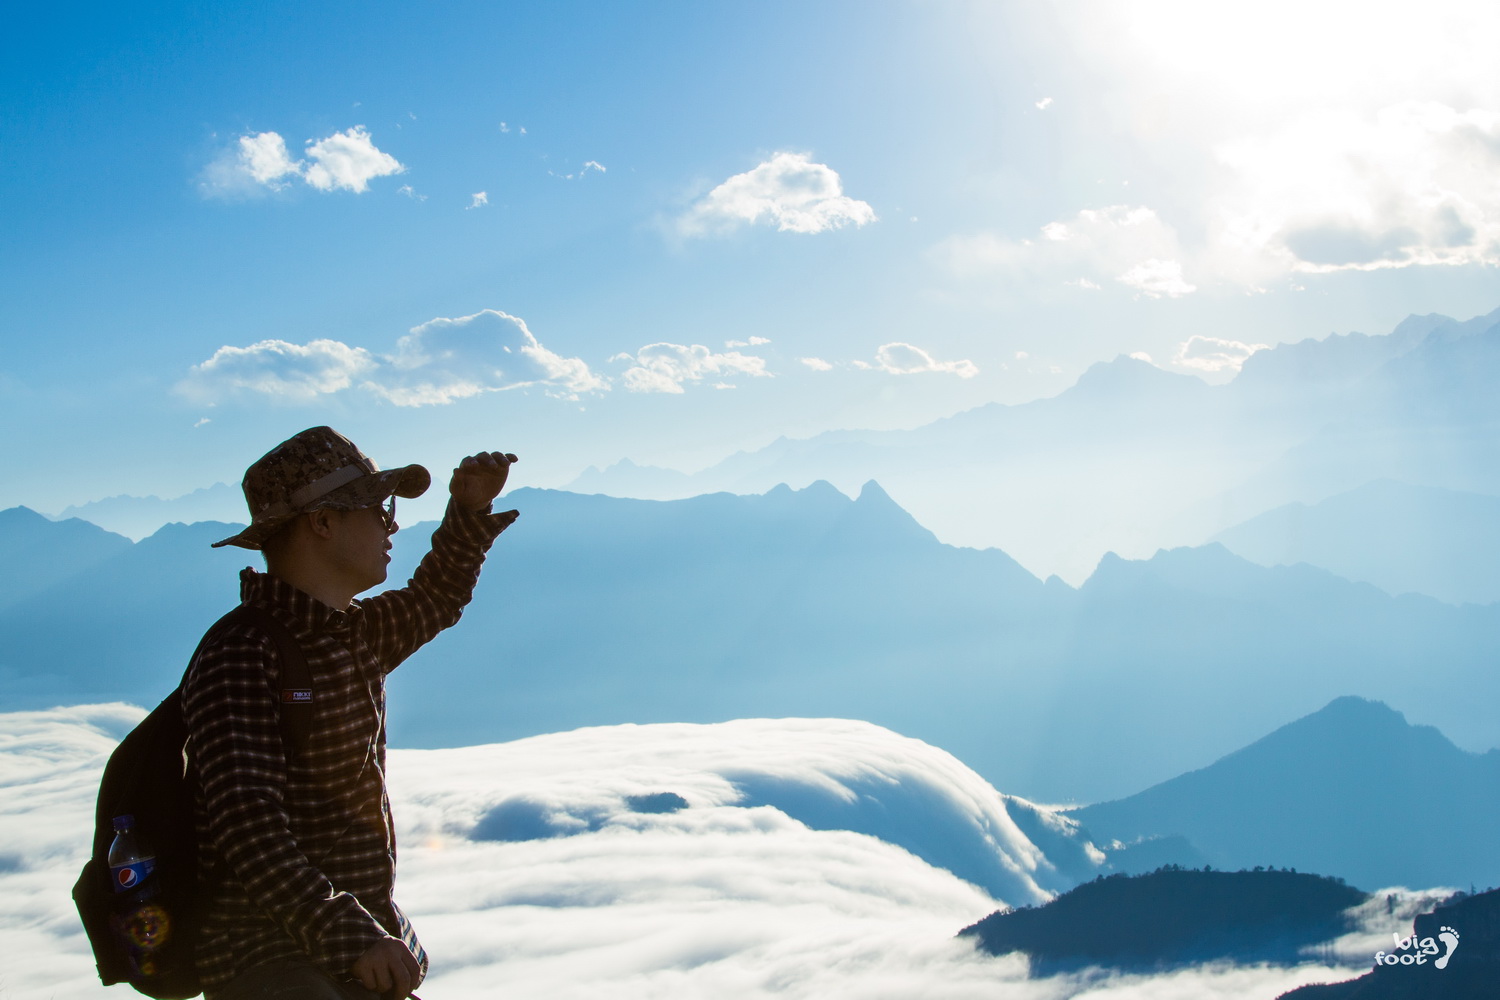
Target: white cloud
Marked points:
479	199
666	367
448	359
1414	184
264	157
752	342
348	160
582	171
1157	278
410	192
260	162
297	373
439	362
1213	354
905	359
1044	104
1126	244
788	191
817	364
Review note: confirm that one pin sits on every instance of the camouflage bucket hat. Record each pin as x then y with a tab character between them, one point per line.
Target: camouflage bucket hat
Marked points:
319	469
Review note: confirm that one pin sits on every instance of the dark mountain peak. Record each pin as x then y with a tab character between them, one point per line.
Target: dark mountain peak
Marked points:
875	508
18	523
50	551
1351	721
22	517
821	489
1352	708
1341	790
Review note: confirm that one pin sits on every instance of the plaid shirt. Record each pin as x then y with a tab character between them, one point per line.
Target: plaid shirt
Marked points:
304	857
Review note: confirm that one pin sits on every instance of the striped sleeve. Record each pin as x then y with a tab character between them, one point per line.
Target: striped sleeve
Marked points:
398	622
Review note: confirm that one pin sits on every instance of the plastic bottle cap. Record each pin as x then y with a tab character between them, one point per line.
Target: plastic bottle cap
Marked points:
124	822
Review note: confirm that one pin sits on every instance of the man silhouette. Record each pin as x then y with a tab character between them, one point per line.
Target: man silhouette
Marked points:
299	848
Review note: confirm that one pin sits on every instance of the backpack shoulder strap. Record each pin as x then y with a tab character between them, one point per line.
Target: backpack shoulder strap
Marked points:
296	694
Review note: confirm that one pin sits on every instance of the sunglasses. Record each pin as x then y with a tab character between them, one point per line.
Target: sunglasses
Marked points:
388	514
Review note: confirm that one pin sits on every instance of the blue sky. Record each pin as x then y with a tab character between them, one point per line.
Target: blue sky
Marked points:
702	226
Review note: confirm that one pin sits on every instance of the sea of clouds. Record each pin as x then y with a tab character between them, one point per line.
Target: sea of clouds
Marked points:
785	858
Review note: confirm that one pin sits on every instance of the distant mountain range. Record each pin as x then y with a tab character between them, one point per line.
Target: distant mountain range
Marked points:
1133	458
1351	790
1402	538
139	517
1302	457
595	610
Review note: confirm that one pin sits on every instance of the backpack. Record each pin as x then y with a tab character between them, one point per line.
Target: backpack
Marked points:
146	777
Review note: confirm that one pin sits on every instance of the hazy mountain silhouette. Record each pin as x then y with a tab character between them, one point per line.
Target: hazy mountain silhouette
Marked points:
1403	539
140	517
1133	458
1425	417
41	555
1351	790
595	610
1171	918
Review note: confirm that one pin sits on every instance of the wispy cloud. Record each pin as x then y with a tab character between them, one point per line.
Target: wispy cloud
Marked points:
439	362
788	191
479	199
260	162
1213	354
907	359
1128	245
667	367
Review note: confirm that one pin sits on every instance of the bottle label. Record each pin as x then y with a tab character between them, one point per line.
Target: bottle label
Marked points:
130	877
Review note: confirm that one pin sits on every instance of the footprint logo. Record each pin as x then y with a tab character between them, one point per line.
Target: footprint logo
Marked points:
1449	937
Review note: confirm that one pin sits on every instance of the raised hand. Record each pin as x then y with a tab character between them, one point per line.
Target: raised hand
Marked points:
480	478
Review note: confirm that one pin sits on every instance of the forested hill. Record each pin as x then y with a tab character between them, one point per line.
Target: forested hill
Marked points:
1174	917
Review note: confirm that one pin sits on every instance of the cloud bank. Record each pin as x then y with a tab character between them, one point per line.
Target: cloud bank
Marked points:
344	161
1414	184
437	363
788	191
670	862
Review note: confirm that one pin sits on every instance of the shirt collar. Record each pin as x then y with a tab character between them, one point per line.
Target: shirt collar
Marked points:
311	613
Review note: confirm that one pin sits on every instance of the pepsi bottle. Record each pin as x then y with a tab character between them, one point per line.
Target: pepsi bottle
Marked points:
139	919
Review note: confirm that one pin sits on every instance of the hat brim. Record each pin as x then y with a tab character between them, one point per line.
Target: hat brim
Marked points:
408	482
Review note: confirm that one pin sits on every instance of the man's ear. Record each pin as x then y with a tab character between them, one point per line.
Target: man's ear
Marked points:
320	522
